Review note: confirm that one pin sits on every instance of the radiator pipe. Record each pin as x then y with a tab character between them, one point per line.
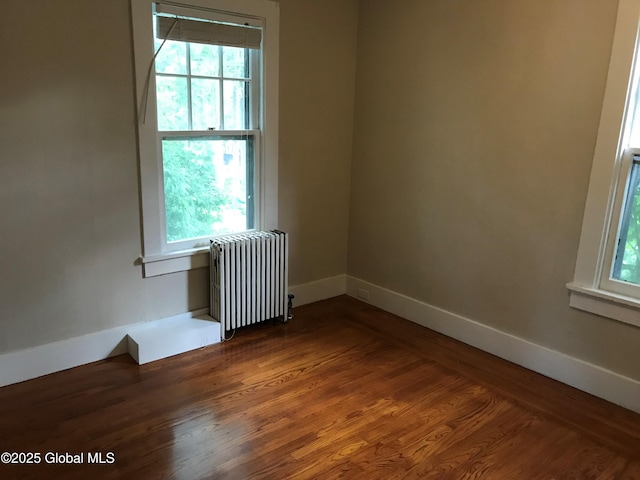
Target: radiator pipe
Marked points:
290	307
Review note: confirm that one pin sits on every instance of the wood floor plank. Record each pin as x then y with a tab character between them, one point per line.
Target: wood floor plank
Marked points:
344	390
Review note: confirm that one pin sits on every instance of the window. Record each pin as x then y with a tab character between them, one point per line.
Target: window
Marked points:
206	84
607	275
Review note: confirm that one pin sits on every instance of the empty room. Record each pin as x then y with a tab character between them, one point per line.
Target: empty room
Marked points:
304	239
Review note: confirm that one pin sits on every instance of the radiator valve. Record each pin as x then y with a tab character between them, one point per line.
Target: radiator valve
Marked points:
290	307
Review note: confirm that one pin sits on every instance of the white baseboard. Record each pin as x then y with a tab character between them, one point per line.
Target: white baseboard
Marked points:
57	356
598	381
319	290
54	357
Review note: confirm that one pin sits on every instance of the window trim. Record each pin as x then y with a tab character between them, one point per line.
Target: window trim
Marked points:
154	253
593	260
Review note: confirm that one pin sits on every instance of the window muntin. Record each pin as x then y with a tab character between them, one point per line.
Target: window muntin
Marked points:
205	87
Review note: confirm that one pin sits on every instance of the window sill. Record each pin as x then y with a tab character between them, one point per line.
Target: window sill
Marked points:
173	262
606	304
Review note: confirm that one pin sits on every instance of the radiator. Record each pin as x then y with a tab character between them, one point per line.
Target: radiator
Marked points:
249	275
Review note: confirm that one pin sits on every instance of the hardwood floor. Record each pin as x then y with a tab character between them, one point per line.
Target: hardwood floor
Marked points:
342	391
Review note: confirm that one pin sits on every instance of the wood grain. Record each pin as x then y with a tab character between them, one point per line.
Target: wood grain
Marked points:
344	390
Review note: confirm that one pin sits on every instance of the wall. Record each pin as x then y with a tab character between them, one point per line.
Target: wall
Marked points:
475	126
317	63
68	171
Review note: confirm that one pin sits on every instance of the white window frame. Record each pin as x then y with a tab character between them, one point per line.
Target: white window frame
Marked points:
592	289
157	257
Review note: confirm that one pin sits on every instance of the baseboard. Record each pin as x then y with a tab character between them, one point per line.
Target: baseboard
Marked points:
54	357
593	379
319	290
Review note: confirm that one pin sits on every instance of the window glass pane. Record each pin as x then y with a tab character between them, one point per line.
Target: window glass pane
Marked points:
633	109
172	57
205	185
634	133
234	62
627	261
235	105
205	98
205	59
173	109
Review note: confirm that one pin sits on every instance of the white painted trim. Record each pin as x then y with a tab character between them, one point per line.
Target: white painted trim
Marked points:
161	265
606	304
54	357
598	381
153	341
319	290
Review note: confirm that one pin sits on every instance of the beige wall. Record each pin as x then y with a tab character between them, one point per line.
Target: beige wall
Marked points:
317	65
475	128
69	208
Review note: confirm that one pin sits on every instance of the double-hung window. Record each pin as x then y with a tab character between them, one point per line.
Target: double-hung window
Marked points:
607	275
206	83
